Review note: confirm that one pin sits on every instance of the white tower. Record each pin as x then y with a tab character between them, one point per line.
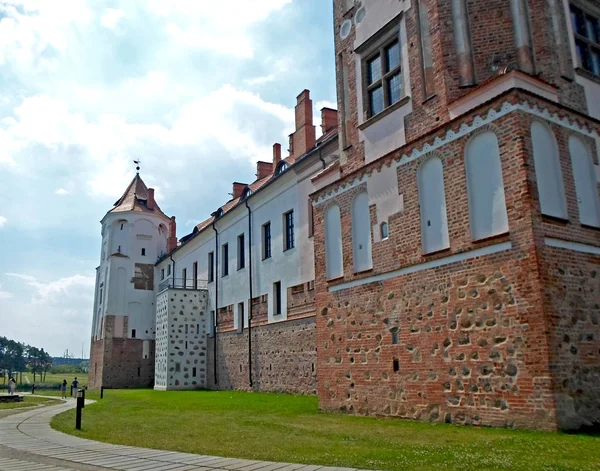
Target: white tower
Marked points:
135	234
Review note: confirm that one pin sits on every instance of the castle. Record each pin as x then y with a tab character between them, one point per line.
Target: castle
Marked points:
434	255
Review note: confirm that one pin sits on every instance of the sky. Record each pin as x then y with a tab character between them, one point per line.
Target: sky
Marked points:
198	90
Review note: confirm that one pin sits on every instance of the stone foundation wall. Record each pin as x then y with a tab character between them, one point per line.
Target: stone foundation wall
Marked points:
283	358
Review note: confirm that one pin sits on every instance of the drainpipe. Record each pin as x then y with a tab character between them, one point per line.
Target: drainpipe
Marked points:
173	277
321	157
250	284
216	278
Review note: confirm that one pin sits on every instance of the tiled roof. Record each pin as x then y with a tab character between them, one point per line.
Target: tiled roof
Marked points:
135	198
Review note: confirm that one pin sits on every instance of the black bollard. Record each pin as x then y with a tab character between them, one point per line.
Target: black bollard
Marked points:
33	389
80	405
101	392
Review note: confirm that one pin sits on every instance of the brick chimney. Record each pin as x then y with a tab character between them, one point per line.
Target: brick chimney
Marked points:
303	138
238	188
329	119
150	203
263	169
276	154
172	240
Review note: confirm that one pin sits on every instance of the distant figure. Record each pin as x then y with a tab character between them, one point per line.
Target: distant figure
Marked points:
63	389
12	385
74	385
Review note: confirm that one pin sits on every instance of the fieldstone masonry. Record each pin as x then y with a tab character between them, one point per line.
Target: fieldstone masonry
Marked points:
181	339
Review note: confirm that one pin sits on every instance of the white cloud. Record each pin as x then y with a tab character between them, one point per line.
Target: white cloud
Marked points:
2	221
111	17
5	294
61	191
57	290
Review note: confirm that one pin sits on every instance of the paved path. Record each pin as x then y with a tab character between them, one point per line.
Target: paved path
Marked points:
27	443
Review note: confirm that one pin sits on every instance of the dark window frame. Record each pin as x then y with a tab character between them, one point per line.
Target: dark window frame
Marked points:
288	224
184	278
589	44
266	240
277	298
379	49
143	251
195	275
241	251
224	260
211	266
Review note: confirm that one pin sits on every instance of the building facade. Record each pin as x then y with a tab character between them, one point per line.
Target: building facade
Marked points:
457	258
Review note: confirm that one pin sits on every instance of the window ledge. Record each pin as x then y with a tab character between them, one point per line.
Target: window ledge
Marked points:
379	116
337	278
549	218
291	248
588	75
241	268
587	226
491	237
365	271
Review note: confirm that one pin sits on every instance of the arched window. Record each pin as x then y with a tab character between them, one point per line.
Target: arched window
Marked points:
432	202
334	258
383	228
547	171
586	186
283	166
485	187
361	233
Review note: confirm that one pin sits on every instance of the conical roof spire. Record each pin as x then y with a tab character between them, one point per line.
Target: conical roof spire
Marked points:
135	198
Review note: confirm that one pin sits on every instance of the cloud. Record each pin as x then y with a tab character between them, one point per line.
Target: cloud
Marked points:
3	221
61	191
4	294
76	286
111	17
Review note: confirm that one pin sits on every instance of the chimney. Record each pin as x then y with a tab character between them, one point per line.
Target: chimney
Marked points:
263	169
238	188
304	137
172	240
329	118
150	201
276	154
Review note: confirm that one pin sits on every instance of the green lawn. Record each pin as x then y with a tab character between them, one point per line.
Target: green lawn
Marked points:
28	401
51	378
290	428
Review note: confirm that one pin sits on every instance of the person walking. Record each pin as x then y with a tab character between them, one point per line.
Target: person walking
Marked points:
74	385
12	385
63	389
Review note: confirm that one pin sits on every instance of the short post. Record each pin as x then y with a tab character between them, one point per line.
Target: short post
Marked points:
71	390
33	388
80	405
101	392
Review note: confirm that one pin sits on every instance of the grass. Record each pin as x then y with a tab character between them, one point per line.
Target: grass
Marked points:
28	401
51	379
291	429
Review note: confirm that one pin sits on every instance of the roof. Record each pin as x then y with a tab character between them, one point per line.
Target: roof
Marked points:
135	198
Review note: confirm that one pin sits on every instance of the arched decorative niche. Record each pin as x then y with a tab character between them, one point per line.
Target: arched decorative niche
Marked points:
432	204
361	233
485	186
586	186
548	173
334	257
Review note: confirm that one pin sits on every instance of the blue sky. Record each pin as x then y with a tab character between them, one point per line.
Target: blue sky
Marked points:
87	86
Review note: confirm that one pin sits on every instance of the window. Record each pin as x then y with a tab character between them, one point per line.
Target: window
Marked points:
168	270
184	278
586	28
289	230
586	186
225	260
240	318
277	298
211	267
432	204
361	233
382	77
132	333
197	329
119	249
548	174
383	228
311	219
195	275
162	273
334	258
485	187
121	226
283	166
143	252
194	371
177	367
266	237
394	332
186	329
241	252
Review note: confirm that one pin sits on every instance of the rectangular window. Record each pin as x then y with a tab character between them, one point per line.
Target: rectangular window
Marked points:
586	28
240	323
211	267
177	367
225	260
288	242
266	237
168	270
100	297
143	252
132	333
241	252
277	298
194	371
184	278
195	275
382	76
162	273
311	219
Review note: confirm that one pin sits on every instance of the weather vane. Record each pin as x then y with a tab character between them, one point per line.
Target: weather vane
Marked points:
137	165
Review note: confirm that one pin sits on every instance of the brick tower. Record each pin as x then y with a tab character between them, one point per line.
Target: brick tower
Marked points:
458	255
135	233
